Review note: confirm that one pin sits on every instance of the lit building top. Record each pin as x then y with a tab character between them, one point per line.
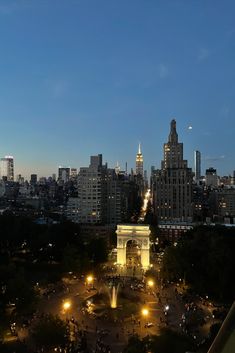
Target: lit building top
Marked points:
173	150
139	162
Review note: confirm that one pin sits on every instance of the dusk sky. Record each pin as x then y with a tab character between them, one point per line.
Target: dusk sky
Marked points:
82	77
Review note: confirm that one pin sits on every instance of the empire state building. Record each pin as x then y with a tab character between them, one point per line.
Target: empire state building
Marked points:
172	184
139	163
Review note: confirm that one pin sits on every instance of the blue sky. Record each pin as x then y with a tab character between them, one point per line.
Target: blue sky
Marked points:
82	77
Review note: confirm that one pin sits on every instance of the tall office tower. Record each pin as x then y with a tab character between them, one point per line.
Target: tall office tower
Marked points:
225	201
74	174
152	178
91	192
115	202
103	195
211	177
33	179
7	168
63	174
172	184
20	179
139	163
197	165
96	160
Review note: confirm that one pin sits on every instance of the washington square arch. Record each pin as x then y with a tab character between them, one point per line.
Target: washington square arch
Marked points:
133	245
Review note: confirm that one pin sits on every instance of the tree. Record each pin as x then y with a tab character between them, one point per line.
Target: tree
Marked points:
135	345
205	258
170	341
73	260
97	250
49	331
150	218
16	347
20	292
167	342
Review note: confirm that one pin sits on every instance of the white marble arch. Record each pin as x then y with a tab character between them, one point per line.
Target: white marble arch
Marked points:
138	232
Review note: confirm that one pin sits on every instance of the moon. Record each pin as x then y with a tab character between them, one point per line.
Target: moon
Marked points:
190	127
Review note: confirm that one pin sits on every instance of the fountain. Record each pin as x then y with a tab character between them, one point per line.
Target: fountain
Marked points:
112	302
113	297
113	286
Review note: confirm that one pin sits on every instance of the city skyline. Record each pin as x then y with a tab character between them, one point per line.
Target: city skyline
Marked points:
83	78
123	167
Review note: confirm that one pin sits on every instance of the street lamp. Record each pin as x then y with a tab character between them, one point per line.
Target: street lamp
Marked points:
89	279
150	283
66	306
145	313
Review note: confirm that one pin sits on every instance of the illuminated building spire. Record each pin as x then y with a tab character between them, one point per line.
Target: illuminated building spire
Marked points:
139	162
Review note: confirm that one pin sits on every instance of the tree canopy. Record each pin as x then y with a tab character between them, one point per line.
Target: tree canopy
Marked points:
49	331
205	259
167	342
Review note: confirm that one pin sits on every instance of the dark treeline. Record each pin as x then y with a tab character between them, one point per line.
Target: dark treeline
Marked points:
21	237
168	341
31	253
205	259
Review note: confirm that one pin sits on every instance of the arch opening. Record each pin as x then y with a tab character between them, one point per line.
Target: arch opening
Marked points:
133	254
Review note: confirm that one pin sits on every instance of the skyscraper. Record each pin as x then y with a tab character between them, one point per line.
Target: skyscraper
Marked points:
73	174
211	177
33	179
172	184
105	196
197	165
139	163
7	168
63	174
91	195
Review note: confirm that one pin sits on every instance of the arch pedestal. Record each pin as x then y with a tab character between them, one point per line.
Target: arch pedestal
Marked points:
138	232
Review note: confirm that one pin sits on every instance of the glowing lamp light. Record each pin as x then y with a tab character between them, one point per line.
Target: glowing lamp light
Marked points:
89	279
145	312
67	305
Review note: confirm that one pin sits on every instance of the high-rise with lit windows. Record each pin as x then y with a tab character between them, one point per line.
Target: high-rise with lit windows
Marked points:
139	163
91	192
172	184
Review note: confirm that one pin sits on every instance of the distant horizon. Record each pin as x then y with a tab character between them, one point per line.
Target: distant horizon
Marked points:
86	77
205	164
